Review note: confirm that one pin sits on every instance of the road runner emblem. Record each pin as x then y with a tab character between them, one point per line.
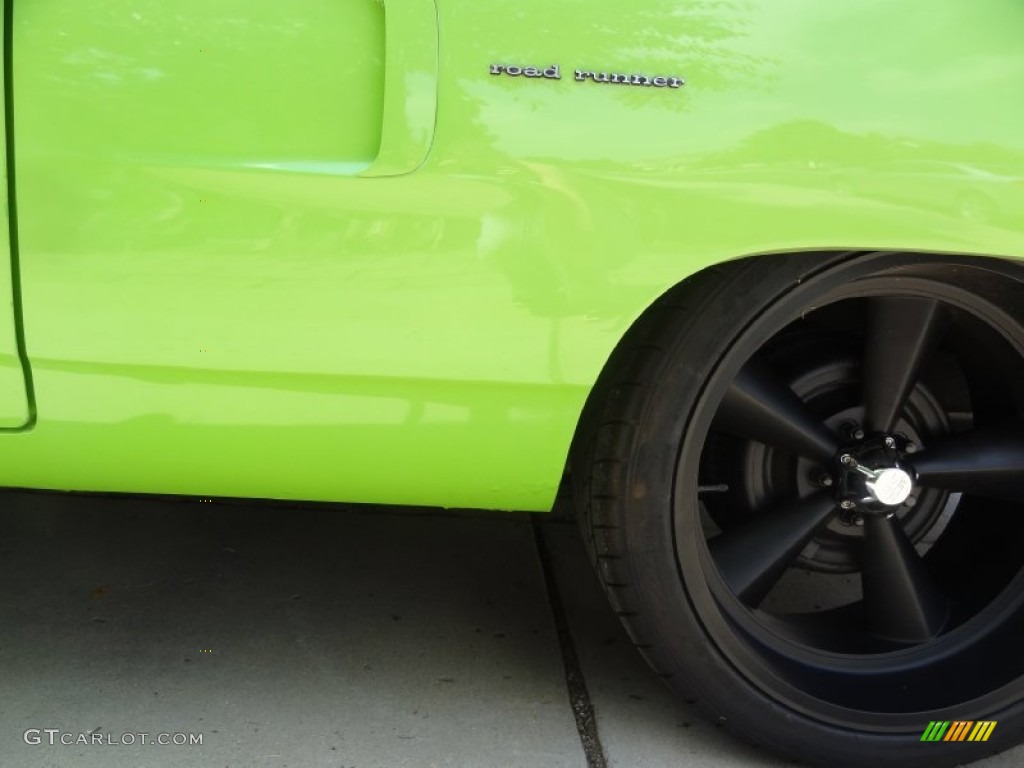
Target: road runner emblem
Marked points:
554	72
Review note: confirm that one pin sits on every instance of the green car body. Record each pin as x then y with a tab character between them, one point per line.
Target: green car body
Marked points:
367	251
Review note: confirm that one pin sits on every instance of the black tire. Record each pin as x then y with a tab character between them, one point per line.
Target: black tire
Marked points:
676	416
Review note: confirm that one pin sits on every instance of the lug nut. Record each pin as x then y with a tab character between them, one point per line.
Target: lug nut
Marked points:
851	430
890	442
847	504
848	460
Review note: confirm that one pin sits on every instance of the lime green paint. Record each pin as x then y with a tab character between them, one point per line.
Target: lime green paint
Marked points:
318	265
410	91
14	405
130	81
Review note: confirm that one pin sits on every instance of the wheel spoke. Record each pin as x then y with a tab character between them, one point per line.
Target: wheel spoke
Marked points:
901	602
985	462
761	407
752	557
901	334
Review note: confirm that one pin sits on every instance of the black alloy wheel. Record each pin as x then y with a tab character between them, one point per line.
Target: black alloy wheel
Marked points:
802	482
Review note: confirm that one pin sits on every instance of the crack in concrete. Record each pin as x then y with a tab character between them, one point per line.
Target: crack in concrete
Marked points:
579	697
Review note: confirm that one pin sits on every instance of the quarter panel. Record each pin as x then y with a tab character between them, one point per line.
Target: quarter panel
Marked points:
433	335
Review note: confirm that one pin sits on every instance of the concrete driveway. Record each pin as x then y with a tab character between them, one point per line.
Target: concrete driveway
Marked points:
341	637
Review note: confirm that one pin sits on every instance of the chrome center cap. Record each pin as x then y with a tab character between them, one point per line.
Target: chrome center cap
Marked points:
891	487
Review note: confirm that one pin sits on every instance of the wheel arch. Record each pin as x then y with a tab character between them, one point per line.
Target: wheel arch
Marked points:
638	325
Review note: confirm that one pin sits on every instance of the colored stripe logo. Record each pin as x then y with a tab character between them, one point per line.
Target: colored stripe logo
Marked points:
958	730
